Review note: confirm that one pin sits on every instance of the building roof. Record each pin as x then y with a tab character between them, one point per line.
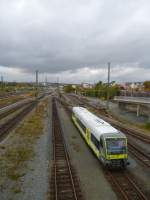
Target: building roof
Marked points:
96	125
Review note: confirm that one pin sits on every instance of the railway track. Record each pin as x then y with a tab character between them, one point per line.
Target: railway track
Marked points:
117	124
139	154
125	186
143	157
123	183
12	110
11	123
64	181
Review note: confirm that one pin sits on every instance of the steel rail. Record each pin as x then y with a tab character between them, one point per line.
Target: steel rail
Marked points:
140	155
115	123
55	170
70	172
136	187
14	105
11	123
61	162
126	186
5	114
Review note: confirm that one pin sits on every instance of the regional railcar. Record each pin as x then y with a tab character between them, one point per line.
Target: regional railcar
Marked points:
108	144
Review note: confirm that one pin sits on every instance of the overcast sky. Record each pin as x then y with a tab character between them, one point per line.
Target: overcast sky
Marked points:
74	39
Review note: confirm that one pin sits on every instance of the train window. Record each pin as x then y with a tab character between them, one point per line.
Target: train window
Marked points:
116	146
81	125
95	141
101	143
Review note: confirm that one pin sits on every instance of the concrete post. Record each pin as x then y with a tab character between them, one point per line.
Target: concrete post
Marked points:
138	110
121	105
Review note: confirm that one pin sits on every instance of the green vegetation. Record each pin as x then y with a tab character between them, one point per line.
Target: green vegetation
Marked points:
99	90
147	126
147	86
69	88
14	87
14	157
16	189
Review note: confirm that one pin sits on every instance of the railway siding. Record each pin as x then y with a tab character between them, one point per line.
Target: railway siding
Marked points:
139	154
122	182
23	175
64	181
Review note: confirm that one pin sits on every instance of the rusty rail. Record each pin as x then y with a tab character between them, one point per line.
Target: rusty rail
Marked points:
11	123
123	184
125	187
64	181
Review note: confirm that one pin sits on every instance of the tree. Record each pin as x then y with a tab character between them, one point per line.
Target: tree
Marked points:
68	88
147	85
99	84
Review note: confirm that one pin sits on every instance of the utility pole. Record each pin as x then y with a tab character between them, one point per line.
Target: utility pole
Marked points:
58	85
46	80
108	84
37	73
2	80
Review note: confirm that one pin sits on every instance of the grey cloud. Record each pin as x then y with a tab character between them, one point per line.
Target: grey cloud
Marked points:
60	35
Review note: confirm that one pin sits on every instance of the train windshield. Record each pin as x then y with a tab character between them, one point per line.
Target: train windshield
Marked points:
116	146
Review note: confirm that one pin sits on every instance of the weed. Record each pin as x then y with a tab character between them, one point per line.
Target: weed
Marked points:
16	189
147	125
14	157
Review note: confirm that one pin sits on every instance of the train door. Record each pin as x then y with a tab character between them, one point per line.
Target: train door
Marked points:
102	148
88	135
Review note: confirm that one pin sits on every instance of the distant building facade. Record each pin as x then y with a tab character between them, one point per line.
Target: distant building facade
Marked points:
86	85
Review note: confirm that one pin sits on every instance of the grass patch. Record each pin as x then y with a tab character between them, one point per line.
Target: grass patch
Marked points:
16	189
147	126
14	156
14	175
11	100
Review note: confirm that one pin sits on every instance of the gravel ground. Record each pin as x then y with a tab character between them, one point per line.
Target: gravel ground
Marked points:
141	175
128	116
93	182
139	172
34	181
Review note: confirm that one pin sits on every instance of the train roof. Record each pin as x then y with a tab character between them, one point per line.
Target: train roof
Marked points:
96	125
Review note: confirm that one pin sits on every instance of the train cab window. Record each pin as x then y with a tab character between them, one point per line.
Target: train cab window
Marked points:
101	143
116	146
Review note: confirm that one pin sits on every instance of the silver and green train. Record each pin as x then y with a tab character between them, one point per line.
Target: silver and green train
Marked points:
108	144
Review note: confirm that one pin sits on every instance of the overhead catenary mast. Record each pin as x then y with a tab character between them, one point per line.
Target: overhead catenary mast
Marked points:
108	84
37	81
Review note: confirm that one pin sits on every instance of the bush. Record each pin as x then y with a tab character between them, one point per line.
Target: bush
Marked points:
147	125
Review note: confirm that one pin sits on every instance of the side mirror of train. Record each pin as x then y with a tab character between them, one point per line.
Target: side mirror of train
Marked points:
128	163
